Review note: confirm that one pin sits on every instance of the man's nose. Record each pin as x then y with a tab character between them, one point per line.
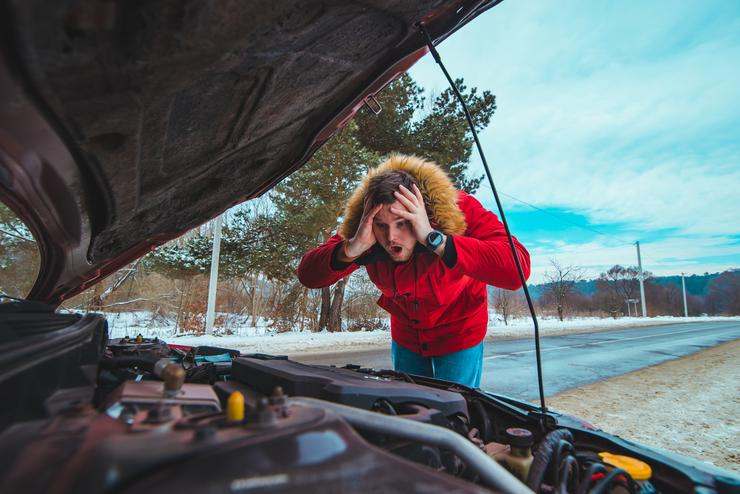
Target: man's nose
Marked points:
393	234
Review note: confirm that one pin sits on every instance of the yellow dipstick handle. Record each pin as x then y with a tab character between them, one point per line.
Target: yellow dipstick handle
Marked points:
235	407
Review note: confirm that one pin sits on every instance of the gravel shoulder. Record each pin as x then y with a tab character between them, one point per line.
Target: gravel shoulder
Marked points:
688	406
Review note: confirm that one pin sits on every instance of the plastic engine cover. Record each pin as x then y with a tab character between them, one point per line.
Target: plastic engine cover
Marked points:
340	385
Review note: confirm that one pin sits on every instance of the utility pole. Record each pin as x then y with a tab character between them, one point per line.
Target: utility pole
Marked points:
683	287
213	281
642	283
631	301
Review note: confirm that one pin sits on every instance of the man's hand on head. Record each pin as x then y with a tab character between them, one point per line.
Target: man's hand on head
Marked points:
364	238
415	212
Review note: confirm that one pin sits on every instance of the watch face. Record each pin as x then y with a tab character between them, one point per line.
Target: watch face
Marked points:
434	239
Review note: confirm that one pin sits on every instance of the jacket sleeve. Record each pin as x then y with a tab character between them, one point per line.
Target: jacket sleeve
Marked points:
316	269
483	252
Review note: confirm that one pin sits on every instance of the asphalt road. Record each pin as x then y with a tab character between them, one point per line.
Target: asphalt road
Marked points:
570	361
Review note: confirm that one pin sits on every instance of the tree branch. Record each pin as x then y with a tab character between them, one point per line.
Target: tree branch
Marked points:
20	237
125	302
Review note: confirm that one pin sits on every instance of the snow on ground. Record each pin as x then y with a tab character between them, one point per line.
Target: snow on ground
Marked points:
688	406
132	323
264	339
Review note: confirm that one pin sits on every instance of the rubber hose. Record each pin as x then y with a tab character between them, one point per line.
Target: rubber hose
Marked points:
585	484
567	476
385	406
606	482
544	454
554	466
485	427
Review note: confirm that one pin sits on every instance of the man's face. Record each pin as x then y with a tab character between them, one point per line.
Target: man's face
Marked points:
394	233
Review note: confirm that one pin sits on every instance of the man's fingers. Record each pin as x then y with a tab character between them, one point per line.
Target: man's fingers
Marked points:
418	195
367	206
408	194
403	214
405	201
371	214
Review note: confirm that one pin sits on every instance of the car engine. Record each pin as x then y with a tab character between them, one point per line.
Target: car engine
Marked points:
139	415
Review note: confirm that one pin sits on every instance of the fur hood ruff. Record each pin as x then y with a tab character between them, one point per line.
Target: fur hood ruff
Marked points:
439	194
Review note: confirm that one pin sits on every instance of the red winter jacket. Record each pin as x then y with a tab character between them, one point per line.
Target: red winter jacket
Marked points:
435	308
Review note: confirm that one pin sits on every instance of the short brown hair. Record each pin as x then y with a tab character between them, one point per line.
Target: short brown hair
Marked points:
381	187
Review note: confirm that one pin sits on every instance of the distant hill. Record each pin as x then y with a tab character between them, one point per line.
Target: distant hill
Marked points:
696	284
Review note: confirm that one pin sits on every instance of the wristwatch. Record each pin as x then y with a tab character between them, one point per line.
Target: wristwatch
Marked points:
434	240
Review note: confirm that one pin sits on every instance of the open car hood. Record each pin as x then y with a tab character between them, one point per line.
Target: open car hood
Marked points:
125	124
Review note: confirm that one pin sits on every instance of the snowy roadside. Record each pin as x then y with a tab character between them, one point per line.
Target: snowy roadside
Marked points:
688	406
263	339
523	328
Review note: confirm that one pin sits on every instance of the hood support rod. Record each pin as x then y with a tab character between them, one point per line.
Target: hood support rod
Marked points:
520	271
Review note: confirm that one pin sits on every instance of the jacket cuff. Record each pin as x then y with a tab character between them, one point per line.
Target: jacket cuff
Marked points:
335	263
449	255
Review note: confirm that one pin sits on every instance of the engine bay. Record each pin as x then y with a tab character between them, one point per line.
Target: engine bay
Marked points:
156	416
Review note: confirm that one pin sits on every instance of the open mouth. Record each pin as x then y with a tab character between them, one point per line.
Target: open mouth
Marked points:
396	249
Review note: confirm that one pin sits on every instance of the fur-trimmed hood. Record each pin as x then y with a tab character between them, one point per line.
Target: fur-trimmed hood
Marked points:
439	194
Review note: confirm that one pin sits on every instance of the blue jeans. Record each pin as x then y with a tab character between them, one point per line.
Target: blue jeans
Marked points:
464	367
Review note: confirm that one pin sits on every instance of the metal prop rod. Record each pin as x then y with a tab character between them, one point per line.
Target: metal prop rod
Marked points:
519	269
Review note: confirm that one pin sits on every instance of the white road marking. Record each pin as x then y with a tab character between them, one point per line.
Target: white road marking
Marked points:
543	350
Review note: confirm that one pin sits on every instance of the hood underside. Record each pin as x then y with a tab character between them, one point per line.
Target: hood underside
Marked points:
125	124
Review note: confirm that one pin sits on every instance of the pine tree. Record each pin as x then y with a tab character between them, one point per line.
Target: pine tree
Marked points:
438	132
306	210
19	255
309	203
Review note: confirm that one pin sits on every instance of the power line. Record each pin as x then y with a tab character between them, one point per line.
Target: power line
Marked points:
586	251
564	219
622	241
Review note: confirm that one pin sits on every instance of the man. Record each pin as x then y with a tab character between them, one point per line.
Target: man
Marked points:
431	250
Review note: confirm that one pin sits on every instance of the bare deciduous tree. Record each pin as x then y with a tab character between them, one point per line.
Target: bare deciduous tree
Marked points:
560	288
503	303
616	286
724	294
100	295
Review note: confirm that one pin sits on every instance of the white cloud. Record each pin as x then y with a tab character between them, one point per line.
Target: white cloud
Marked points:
620	149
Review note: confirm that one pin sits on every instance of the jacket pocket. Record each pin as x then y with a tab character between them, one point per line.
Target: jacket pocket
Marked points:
426	292
446	287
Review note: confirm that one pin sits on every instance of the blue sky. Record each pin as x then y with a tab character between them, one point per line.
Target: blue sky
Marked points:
615	117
